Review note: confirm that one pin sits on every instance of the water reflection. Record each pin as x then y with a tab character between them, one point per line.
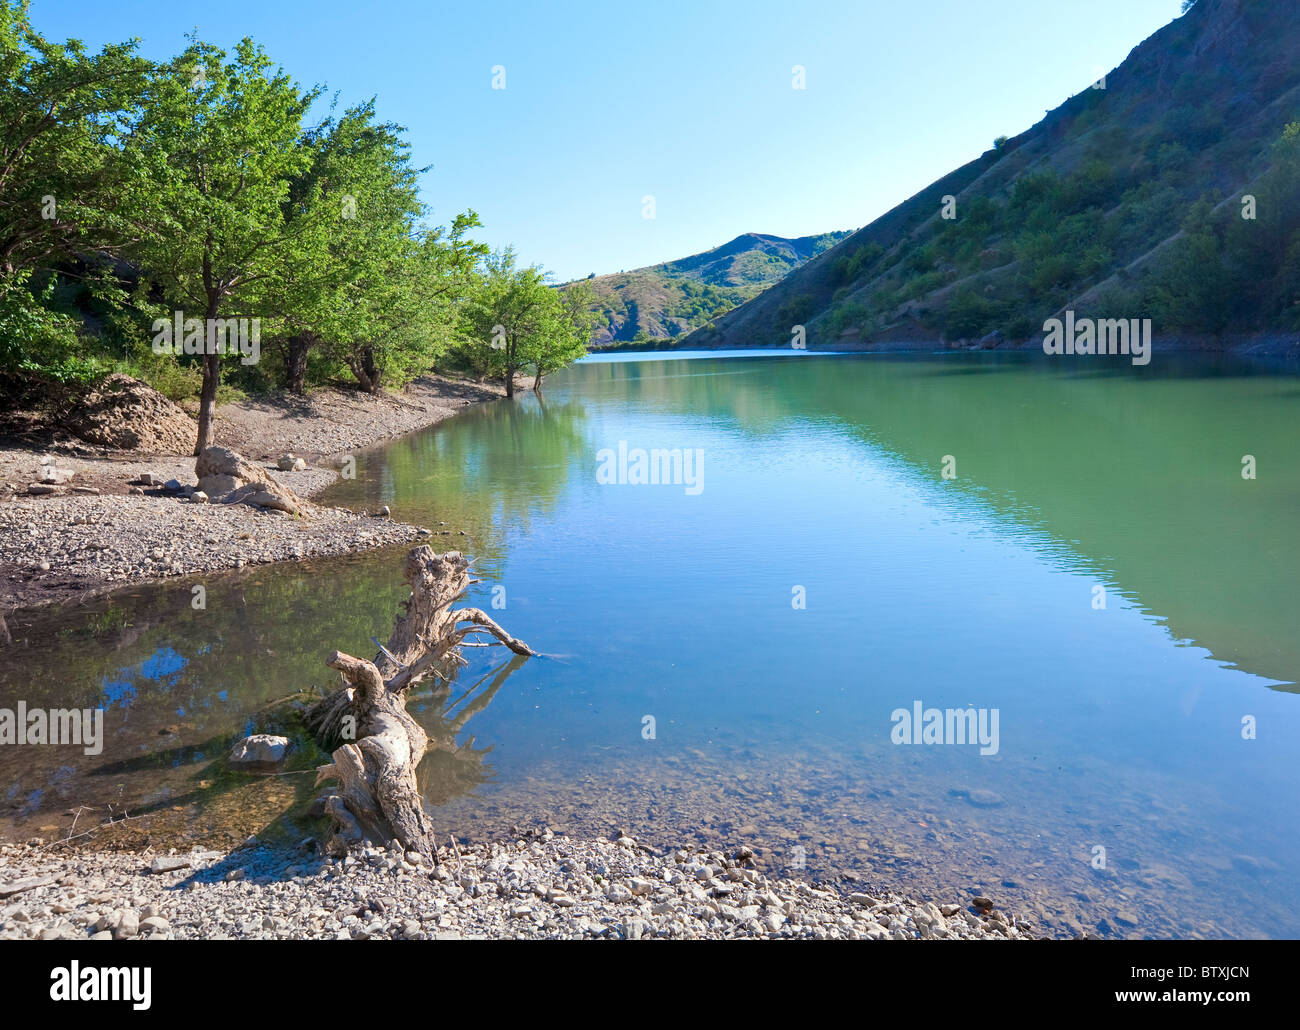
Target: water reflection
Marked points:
179	686
1121	727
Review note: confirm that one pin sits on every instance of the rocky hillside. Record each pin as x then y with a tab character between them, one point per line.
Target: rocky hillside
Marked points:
673	298
1170	191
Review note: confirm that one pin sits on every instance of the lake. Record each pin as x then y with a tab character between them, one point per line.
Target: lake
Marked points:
1065	549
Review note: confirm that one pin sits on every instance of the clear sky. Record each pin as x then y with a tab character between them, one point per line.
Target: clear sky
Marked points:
690	102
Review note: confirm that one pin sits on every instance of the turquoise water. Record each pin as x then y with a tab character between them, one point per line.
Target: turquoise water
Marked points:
687	696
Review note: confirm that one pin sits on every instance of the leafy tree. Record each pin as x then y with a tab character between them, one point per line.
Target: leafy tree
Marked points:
222	142
515	319
354	211
576	321
62	176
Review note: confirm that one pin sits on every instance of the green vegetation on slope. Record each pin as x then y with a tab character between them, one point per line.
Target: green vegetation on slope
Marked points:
1130	200
670	299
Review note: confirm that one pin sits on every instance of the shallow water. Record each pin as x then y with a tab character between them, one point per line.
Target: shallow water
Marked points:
1119	727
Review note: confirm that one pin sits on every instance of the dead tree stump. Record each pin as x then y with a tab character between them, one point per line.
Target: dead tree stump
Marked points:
375	744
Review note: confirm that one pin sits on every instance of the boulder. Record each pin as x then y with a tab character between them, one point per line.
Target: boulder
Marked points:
285	462
270	499
228	479
261	749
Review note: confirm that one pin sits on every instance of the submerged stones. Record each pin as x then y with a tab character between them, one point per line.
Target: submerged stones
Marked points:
259	750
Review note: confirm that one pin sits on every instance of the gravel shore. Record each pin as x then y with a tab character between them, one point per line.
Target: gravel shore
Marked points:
99	528
542	887
65	548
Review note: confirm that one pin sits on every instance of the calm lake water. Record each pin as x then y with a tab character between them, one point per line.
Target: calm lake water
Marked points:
688	697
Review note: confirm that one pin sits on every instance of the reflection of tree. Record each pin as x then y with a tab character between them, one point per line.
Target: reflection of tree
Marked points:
491	466
451	769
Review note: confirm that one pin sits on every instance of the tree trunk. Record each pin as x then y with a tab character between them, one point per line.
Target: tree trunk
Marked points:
363	380
208	400
375	744
371	369
295	363
364	368
211	380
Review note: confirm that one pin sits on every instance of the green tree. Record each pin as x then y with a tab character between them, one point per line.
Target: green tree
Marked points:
354	210
576	321
62	175
222	142
514	319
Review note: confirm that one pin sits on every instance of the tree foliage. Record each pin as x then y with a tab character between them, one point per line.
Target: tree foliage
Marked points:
131	191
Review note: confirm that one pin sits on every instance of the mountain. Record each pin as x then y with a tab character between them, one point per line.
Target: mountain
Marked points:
1133	199
675	297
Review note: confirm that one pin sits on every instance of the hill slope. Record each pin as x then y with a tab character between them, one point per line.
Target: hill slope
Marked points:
675	297
1125	201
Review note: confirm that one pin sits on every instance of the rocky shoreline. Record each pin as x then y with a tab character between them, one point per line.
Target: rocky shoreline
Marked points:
539	886
77	520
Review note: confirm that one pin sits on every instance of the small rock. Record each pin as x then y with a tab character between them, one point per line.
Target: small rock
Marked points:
260	749
634	929
127	926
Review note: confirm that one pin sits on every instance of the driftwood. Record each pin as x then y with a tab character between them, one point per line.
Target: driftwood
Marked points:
376	745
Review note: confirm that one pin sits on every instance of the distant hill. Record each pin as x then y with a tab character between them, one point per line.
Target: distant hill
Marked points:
671	299
1125	201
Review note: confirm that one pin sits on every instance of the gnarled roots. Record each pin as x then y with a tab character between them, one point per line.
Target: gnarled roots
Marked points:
375	744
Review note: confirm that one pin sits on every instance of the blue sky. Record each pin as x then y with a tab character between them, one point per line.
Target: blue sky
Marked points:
689	102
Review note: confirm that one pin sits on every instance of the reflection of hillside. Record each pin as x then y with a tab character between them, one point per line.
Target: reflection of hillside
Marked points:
1137	474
